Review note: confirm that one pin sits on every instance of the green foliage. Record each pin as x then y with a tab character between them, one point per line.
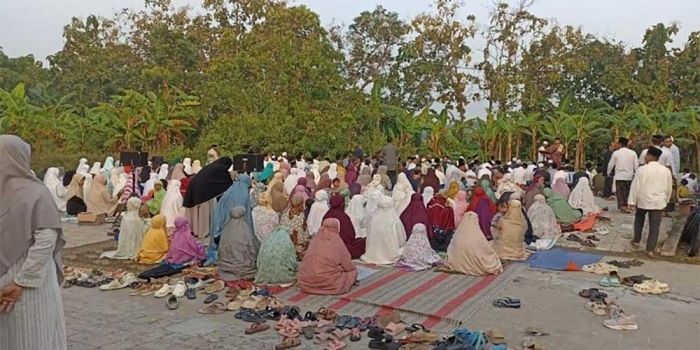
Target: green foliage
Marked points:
265	75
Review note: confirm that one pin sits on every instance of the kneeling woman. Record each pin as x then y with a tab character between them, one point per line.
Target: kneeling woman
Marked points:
327	267
277	259
75	201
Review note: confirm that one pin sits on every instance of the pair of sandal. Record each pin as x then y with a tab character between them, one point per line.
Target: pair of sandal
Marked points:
592	294
598	307
599	268
651	287
288	343
383	342
507	303
636	279
586	243
626	264
332	340
611	281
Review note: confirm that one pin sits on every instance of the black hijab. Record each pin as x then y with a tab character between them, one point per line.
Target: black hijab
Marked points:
68	177
213	180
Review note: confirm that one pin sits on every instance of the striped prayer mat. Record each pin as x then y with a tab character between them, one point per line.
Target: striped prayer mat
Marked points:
440	301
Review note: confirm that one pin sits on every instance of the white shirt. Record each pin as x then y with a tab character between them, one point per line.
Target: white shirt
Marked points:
441	176
652	187
519	175
411	166
675	159
624	162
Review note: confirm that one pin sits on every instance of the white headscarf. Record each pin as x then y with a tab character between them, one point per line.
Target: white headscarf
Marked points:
188	166
83	167
87	185
55	186
356	212
171	207
131	231
372	197
386	236
317	212
582	197
333	171
428	194
96	168
291	181
148	185
508	185
544	223
314	170
402	193
163	172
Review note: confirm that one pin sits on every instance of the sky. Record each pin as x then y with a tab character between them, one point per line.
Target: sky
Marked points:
24	29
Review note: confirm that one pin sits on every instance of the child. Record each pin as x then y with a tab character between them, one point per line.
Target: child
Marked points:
683	191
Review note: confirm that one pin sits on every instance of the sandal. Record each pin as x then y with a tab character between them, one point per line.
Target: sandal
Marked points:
253	317
355	335
384	320
213	309
341	334
211	298
422	336
593	238
288	343
376	333
588	243
507	303
256	328
322	338
308	332
335	344
597	307
233	305
592	293
394	329
415	327
215	287
496	336
535	331
386	343
289	332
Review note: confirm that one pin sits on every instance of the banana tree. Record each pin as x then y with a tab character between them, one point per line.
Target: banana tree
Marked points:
507	127
687	122
17	115
531	123
583	124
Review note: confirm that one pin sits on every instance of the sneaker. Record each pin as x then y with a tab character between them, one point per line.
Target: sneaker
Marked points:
619	321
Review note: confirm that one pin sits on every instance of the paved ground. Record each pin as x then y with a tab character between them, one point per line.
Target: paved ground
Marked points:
621	227
116	321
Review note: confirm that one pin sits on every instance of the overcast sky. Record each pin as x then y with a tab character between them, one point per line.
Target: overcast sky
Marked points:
35	26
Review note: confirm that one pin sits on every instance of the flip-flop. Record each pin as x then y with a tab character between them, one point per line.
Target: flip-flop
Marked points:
213	309
394	329
341	334
415	327
322	338
335	344
289	332
215	287
343	320
573	237
593	238
251	316
588	243
386	343
376	333
288	343
211	298
256	328
507	303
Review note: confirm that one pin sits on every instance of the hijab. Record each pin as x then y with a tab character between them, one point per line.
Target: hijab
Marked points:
171	206
55	187
513	226
385	235
317	212
418	255
210	182
184	248
478	196
356	212
26	206
267	173
582	197
83	167
351	175
238	247
68	177
291	181
560	187
428	194
324	183
544	222
460	206
562	210
402	193
96	168
238	194
155	243
278	199
131	232
277	258
431	180
365	176
469	252
187	166
178	172
100	200
534	189
196	166
163	172
356	246
75	189
452	190
508	185
440	214
265	219
416	214
386	181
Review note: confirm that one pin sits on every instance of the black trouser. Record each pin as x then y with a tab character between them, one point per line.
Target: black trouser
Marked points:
622	191
392	177
607	188
654	224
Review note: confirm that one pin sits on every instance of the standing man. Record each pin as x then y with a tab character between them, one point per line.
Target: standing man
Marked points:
608	188
650	192
557	152
359	153
543	152
212	154
390	155
624	163
675	156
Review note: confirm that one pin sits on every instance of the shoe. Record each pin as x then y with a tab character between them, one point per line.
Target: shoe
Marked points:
164	291
172	302
120	283
191	293
193	283
620	321
180	289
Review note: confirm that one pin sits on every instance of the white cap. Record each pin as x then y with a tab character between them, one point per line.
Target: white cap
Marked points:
509	164
550	161
540	165
545	143
514	159
284	154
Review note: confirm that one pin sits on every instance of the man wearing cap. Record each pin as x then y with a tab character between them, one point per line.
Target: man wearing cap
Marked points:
557	152
624	162
543	152
650	191
665	159
675	153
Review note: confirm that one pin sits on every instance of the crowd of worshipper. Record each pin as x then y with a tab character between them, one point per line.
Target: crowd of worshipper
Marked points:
304	221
